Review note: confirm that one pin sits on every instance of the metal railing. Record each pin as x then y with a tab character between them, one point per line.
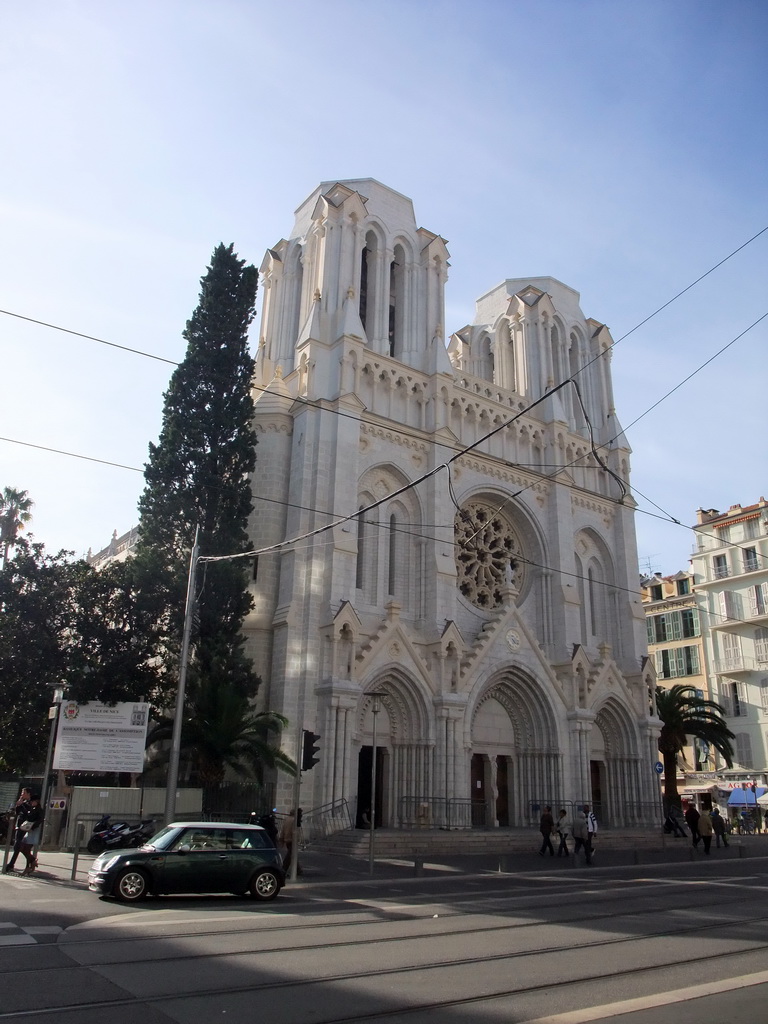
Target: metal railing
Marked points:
326	820
736	663
433	812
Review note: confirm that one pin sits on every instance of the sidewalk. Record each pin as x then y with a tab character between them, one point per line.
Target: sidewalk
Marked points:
329	868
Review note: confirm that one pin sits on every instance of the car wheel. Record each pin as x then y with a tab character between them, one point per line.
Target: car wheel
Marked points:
130	885
96	845
265	885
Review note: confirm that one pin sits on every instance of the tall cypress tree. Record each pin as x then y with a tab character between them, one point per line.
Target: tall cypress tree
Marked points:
198	475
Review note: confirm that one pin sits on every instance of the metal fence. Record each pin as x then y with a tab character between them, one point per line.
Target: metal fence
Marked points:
326	820
453	813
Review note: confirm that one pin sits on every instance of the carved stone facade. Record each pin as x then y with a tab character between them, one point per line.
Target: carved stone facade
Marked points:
446	536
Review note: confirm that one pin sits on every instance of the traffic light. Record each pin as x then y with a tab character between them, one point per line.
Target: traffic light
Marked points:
309	750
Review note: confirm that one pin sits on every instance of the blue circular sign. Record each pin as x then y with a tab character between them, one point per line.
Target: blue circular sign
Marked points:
659	768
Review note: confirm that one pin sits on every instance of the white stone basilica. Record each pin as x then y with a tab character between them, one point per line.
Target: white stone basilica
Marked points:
478	620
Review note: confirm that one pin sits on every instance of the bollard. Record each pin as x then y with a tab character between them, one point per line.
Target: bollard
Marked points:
742	852
503	864
418	867
637	857
9	838
79	837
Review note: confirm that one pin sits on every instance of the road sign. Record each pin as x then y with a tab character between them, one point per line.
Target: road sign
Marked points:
659	768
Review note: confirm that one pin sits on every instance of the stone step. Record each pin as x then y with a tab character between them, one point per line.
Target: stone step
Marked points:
401	842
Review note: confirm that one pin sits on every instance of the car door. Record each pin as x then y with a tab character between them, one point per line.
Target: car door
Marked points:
246	853
200	865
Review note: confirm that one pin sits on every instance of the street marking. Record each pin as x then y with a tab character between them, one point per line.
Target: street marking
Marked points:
710	988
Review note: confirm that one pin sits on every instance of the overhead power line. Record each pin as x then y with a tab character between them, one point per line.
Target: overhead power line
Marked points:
90	337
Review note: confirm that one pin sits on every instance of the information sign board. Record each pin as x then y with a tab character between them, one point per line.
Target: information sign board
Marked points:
95	737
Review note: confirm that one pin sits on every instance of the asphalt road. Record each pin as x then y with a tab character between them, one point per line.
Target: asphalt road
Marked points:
644	945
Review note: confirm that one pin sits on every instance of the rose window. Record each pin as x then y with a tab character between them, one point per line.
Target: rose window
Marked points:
488	555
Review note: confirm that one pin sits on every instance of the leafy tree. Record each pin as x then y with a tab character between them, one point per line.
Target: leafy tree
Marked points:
113	656
198	474
14	515
683	713
34	598
65	623
222	732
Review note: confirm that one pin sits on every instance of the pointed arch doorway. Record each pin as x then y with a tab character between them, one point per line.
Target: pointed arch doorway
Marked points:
516	761
365	786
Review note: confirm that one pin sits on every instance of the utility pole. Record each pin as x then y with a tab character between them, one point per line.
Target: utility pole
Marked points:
173	764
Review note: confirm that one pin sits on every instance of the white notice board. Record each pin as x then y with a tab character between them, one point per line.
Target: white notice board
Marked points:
94	737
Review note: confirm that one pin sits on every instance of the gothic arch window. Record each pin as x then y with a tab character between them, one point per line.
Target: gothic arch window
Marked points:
396	312
294	280
390	556
361	552
369	261
598	612
484	364
559	370
574	366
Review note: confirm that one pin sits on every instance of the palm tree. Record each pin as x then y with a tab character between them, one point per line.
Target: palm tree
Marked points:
683	713
14	514
222	732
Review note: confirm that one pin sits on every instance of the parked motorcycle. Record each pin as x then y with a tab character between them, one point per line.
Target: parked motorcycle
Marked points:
119	835
268	822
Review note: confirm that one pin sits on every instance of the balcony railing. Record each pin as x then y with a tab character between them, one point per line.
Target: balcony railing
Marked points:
720	572
736	663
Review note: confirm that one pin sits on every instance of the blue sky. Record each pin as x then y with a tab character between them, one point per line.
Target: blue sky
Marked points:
618	146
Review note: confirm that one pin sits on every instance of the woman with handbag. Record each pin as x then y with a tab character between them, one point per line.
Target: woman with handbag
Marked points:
29	817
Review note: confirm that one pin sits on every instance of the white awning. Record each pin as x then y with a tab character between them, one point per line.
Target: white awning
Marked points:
699	787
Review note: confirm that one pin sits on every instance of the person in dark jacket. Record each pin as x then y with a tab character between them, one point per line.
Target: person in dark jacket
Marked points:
546	827
718	825
19	813
29	817
692	821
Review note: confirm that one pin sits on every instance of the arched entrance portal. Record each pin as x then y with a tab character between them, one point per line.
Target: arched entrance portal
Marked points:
516	762
404	752
616	771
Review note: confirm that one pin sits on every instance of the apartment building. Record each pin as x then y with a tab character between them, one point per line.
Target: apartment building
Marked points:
730	574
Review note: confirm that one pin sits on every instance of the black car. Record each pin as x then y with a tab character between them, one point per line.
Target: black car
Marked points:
193	856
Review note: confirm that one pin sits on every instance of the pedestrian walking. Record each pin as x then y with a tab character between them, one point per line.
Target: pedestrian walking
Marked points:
581	836
706	829
718	827
692	821
29	817
547	827
591	829
287	837
675	822
563	828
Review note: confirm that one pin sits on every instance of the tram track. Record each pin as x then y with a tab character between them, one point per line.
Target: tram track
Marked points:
548	987
660	904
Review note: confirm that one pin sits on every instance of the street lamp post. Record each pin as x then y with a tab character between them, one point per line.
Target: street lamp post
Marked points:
53	714
372	827
178	720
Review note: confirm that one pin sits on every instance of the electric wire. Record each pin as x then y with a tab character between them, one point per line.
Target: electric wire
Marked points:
462	451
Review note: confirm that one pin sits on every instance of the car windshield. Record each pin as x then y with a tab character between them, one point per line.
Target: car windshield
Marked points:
162	840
